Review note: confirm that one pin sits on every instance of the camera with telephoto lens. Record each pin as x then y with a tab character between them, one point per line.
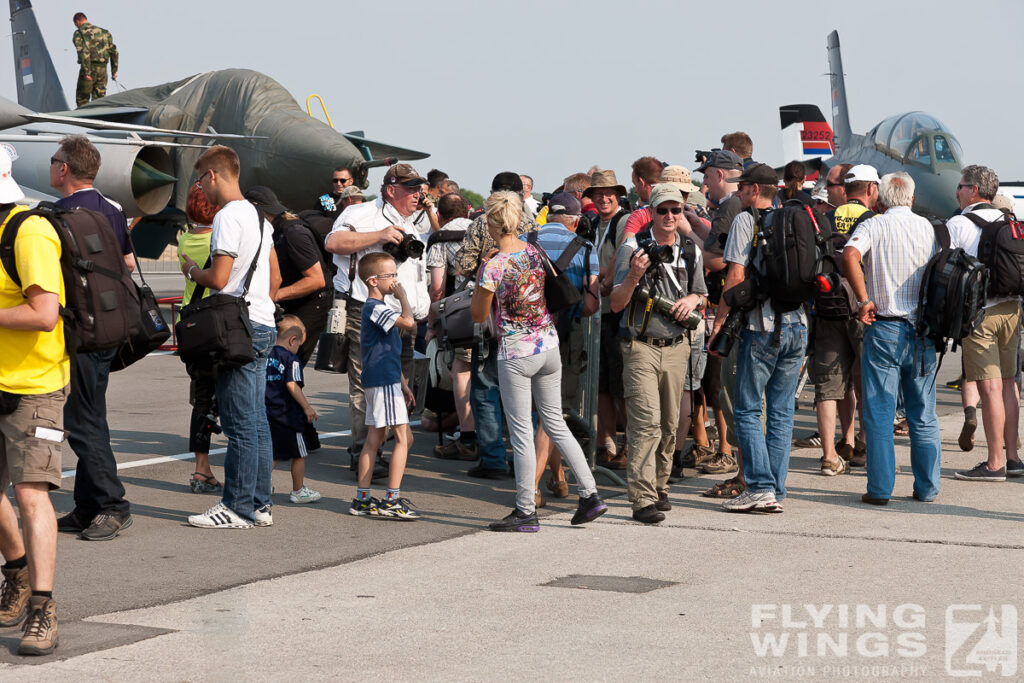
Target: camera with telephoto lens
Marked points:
702	154
408	248
663	304
657	253
728	333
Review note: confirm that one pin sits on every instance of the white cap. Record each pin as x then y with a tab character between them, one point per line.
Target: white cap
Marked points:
862	172
9	190
822	195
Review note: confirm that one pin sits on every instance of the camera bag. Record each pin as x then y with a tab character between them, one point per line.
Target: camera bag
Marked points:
453	322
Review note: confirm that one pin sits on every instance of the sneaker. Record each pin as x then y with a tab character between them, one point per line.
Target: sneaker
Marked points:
220	516
831	468
720	464
263	516
517	520
589	509
697	455
456	450
981	472
39	634
364	508
809	441
966	440
304	495
649	515
397	509
954	384
105	527
753	501
1014	468
14	596
73	522
663	504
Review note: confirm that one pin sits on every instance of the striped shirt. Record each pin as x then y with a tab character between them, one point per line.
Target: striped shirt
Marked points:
896	246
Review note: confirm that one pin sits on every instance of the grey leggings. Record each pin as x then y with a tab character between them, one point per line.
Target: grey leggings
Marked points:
540	377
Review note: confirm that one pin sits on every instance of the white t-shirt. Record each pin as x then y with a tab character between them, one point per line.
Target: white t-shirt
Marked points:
234	234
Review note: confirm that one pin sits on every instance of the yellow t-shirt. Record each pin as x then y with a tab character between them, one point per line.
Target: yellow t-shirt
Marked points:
33	362
197	247
846	217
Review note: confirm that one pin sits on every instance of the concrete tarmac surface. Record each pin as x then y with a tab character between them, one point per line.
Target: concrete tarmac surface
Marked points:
831	588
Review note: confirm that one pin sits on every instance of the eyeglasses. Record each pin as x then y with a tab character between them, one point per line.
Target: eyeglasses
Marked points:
199	180
828	184
963	185
740	186
662	210
385	276
55	160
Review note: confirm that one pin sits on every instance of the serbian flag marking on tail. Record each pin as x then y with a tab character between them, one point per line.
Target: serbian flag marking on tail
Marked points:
26	71
816	138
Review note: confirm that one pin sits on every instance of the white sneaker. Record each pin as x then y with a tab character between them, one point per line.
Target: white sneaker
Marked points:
262	516
304	495
220	516
753	501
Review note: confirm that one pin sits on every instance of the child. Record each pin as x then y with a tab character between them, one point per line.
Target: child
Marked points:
288	411
382	381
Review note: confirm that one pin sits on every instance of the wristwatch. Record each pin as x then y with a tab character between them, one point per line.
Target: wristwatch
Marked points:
188	273
862	304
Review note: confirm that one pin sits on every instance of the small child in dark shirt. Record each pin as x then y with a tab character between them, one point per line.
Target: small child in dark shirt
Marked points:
386	392
288	411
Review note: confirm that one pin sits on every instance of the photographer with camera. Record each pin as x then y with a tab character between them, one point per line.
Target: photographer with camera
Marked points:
659	288
384	225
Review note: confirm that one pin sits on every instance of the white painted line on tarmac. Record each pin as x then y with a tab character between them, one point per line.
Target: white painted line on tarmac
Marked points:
215	451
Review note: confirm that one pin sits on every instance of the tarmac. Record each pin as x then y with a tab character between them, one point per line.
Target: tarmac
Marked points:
831	588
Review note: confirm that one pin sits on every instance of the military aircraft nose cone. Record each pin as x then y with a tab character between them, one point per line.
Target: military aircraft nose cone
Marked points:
145	178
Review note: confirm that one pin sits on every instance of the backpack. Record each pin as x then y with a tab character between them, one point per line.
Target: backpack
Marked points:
321	226
838	302
794	248
447	236
563	323
1001	249
952	299
102	305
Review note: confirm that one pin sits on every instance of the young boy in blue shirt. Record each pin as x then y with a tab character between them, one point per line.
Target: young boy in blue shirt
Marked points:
387	394
288	411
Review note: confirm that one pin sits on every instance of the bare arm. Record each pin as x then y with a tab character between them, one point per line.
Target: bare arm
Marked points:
405	321
129	260
735	275
851	268
39	313
296	393
214	277
275	274
480	306
312	281
623	292
349	242
591	300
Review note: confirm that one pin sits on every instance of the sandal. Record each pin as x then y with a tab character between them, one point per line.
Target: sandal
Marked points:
207	484
730	488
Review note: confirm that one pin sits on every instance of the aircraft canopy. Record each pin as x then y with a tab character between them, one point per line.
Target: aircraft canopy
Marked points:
902	136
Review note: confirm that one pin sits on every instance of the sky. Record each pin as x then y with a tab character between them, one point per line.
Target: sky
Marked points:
552	88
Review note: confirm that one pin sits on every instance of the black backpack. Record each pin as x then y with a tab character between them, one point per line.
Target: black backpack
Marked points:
952	299
838	302
447	236
1001	249
794	251
102	305
564	323
321	225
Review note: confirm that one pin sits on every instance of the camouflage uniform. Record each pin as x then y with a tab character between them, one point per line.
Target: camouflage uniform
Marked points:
478	243
95	46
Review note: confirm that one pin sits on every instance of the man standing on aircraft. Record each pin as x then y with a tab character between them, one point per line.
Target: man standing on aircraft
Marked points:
95	47
330	204
101	511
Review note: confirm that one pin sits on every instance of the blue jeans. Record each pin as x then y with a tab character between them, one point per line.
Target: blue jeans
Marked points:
485	401
763	369
896	357
241	399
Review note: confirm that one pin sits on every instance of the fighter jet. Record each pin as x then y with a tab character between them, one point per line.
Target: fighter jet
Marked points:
150	137
914	142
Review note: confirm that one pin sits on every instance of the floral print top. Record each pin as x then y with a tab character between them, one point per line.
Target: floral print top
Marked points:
524	324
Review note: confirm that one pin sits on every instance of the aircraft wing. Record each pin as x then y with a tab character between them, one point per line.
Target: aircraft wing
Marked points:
97	124
371	149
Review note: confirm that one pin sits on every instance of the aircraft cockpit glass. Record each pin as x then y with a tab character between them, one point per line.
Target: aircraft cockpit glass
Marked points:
901	132
943	150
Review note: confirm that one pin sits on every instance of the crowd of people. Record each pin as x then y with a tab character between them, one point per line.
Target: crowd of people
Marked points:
695	343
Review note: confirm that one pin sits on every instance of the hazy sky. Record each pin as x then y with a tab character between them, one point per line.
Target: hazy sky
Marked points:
550	88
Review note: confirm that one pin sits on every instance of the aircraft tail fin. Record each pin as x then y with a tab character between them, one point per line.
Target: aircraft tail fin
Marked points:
39	87
840	113
805	133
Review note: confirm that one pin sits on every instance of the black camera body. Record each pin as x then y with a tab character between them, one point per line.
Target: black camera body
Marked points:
657	253
409	248
702	154
730	331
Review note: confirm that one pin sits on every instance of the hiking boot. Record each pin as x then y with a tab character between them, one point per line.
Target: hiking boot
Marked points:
1014	468
649	515
831	468
304	495
663	504
859	457
220	516
364	508
456	450
105	527
40	629
14	596
810	441
720	464
697	455
559	487
263	516
753	501
73	522
397	509
517	520
618	462
966	440
589	509
981	472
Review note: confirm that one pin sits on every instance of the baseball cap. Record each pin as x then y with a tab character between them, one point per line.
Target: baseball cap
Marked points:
403	174
862	172
10	192
680	177
1002	202
264	199
564	203
723	159
350	191
759	174
507	180
666	192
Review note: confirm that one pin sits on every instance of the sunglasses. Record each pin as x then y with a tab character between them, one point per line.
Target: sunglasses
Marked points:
963	185
675	210
55	160
341	180
834	184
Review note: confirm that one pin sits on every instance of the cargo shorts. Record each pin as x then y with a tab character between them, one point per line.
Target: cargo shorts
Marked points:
31	438
834	368
990	352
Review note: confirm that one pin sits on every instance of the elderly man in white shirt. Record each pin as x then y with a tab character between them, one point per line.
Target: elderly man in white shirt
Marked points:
895	247
990	352
384	225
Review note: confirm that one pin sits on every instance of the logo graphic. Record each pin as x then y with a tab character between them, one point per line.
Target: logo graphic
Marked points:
976	642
